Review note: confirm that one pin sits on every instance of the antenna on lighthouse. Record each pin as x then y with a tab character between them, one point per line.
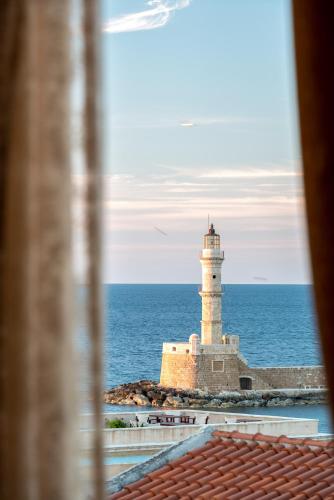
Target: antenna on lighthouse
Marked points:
208	221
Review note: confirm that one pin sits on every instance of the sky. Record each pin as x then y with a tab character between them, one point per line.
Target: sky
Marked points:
199	117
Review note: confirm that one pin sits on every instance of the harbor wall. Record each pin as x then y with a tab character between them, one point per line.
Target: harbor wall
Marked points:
299	377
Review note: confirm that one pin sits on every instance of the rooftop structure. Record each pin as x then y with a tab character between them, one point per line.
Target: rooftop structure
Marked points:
213	361
157	433
235	466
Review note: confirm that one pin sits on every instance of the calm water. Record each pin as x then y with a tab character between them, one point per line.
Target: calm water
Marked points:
276	324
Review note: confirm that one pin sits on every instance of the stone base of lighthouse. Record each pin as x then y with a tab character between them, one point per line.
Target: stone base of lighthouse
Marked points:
221	367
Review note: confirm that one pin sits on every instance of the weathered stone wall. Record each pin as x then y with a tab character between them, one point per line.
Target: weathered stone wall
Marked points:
258	382
292	376
215	372
211	379
179	371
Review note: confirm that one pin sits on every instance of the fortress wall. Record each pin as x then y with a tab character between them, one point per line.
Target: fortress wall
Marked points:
179	371
293	376
258	382
216	377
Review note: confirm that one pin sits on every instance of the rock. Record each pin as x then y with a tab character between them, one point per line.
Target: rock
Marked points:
127	401
246	402
198	403
154	395
141	400
287	402
226	405
173	401
274	402
230	395
214	403
150	393
201	393
157	402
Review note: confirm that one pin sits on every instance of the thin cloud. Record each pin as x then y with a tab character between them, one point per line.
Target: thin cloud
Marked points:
139	123
187	124
156	16
220	120
248	174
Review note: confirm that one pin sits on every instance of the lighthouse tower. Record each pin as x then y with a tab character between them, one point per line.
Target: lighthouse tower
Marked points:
213	362
211	291
210	361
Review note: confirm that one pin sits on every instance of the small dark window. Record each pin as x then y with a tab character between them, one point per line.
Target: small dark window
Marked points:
214	276
174	348
187	351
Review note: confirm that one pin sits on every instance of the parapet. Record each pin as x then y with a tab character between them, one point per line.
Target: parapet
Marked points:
228	345
230	340
192	347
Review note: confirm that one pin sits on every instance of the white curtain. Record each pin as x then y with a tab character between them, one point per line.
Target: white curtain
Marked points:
38	384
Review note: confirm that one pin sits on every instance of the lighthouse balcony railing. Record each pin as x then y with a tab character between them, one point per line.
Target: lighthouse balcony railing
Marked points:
211	253
217	289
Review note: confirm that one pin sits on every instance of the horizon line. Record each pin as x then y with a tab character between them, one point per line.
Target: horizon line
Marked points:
198	283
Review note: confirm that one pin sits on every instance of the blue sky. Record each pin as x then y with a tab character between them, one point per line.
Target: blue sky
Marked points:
199	117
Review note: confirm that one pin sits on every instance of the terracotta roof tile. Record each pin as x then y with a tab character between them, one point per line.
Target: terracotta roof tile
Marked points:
289	486
149	486
328	492
146	496
235	466
272	470
326	475
138	484
303	459
129	496
175	488
316	460
218	481
210	478
193	461
120	494
169	474
228	493
243	484
255	495
218	490
316	488
157	490
275	483
283	471
240	495
269	496
265	456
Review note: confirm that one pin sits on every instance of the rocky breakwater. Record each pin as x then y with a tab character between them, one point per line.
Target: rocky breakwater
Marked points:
150	393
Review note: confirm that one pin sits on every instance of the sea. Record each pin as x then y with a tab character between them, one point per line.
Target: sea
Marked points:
276	324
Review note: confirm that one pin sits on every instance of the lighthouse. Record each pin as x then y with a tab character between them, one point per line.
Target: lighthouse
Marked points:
211	291
212	361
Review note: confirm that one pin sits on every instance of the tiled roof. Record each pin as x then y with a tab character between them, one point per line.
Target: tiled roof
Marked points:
237	466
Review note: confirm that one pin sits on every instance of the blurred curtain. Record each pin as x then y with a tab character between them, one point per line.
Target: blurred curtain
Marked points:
39	418
314	49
